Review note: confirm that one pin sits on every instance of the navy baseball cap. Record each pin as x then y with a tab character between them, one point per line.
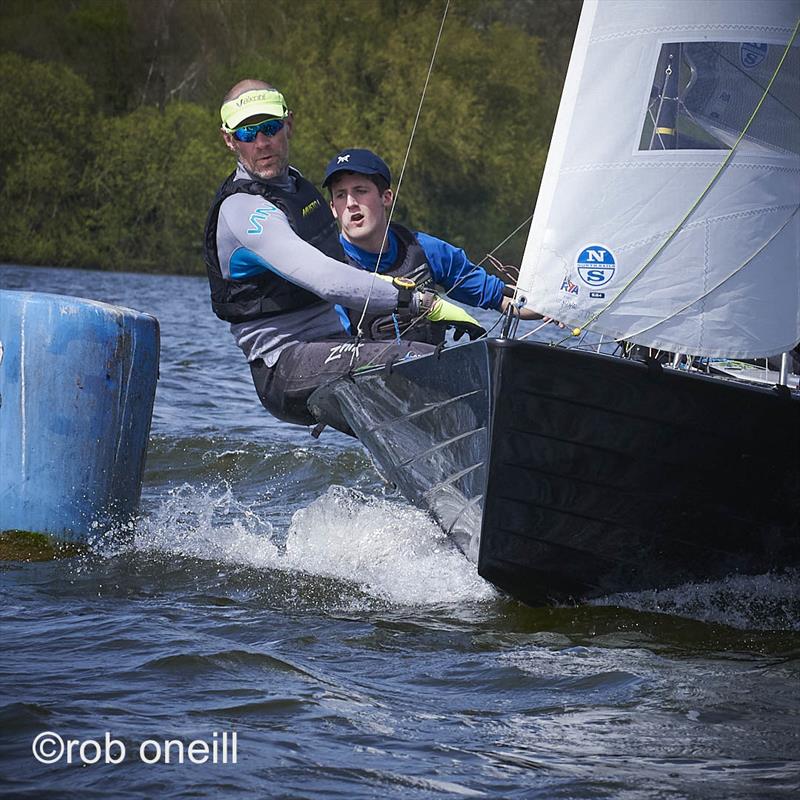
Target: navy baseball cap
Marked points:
357	160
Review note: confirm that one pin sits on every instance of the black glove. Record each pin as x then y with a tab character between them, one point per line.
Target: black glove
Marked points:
473	331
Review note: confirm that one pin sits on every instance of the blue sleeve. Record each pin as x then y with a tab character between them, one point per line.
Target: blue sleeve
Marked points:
450	267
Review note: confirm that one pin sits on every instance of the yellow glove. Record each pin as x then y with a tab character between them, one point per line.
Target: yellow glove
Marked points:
452	315
436	309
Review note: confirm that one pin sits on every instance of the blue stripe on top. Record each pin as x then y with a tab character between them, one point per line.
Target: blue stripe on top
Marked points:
245	263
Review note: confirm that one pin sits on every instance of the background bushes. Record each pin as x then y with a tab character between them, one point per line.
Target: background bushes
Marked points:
113	153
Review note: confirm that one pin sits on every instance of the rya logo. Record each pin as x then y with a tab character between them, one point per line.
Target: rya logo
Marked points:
568	286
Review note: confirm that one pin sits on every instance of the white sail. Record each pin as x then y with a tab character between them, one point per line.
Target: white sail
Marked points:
627	236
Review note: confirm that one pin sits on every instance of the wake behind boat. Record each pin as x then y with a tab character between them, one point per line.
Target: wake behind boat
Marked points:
667	217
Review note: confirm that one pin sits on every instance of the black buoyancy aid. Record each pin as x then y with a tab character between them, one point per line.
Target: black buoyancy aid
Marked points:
268	294
411	262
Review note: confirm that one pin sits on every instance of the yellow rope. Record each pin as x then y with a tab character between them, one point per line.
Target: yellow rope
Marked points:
716	286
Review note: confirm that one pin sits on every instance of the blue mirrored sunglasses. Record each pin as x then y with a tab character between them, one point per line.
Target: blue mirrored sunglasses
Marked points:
248	133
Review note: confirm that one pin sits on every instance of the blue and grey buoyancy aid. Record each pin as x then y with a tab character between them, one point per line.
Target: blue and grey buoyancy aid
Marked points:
267	294
411	262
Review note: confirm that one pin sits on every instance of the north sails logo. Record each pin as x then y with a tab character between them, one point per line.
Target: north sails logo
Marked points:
752	54
596	265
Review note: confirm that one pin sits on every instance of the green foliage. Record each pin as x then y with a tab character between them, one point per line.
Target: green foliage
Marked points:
99	45
123	192
150	186
48	110
94	38
119	100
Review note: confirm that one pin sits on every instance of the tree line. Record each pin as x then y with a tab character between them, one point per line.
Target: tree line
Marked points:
113	153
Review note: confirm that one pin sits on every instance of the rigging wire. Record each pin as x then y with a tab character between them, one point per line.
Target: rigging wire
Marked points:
400	178
656	130
496	263
535	330
498	266
660	249
375	272
489	255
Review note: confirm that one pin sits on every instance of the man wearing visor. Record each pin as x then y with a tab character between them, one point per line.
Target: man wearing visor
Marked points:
275	266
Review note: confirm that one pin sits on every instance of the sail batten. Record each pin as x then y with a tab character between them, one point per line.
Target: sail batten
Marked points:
667	213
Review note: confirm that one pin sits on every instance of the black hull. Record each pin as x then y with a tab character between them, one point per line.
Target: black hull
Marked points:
581	474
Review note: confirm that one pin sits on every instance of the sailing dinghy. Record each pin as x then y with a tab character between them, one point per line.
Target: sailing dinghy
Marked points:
668	218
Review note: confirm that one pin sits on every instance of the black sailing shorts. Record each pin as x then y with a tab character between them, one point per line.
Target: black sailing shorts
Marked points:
284	389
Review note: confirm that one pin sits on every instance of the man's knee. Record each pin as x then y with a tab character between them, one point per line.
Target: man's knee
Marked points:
280	400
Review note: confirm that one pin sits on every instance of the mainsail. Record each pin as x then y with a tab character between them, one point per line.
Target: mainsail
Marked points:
669	210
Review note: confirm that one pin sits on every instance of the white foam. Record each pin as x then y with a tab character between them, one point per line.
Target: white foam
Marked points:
208	524
390	550
756	602
397	552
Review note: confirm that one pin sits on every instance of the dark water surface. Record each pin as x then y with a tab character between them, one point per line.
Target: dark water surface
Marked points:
275	588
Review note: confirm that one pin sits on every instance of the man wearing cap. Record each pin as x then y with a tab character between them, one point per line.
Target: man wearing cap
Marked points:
359	183
275	268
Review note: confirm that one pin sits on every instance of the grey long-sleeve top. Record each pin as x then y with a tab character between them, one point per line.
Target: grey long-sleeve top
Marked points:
254	236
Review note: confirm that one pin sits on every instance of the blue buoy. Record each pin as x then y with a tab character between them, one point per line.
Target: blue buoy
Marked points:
77	384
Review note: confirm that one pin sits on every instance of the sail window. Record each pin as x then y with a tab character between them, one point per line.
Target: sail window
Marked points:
704	93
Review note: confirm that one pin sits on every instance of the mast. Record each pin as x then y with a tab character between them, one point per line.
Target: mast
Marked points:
665	123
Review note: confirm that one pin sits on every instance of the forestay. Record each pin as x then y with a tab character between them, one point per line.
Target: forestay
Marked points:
668	210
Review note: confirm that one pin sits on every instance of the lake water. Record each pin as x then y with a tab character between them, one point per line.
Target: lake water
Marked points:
276	589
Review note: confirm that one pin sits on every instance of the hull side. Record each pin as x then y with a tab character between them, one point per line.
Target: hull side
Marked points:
607	476
569	475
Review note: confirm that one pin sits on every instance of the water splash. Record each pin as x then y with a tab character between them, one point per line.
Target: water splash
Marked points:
209	524
391	551
383	549
755	602
397	552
